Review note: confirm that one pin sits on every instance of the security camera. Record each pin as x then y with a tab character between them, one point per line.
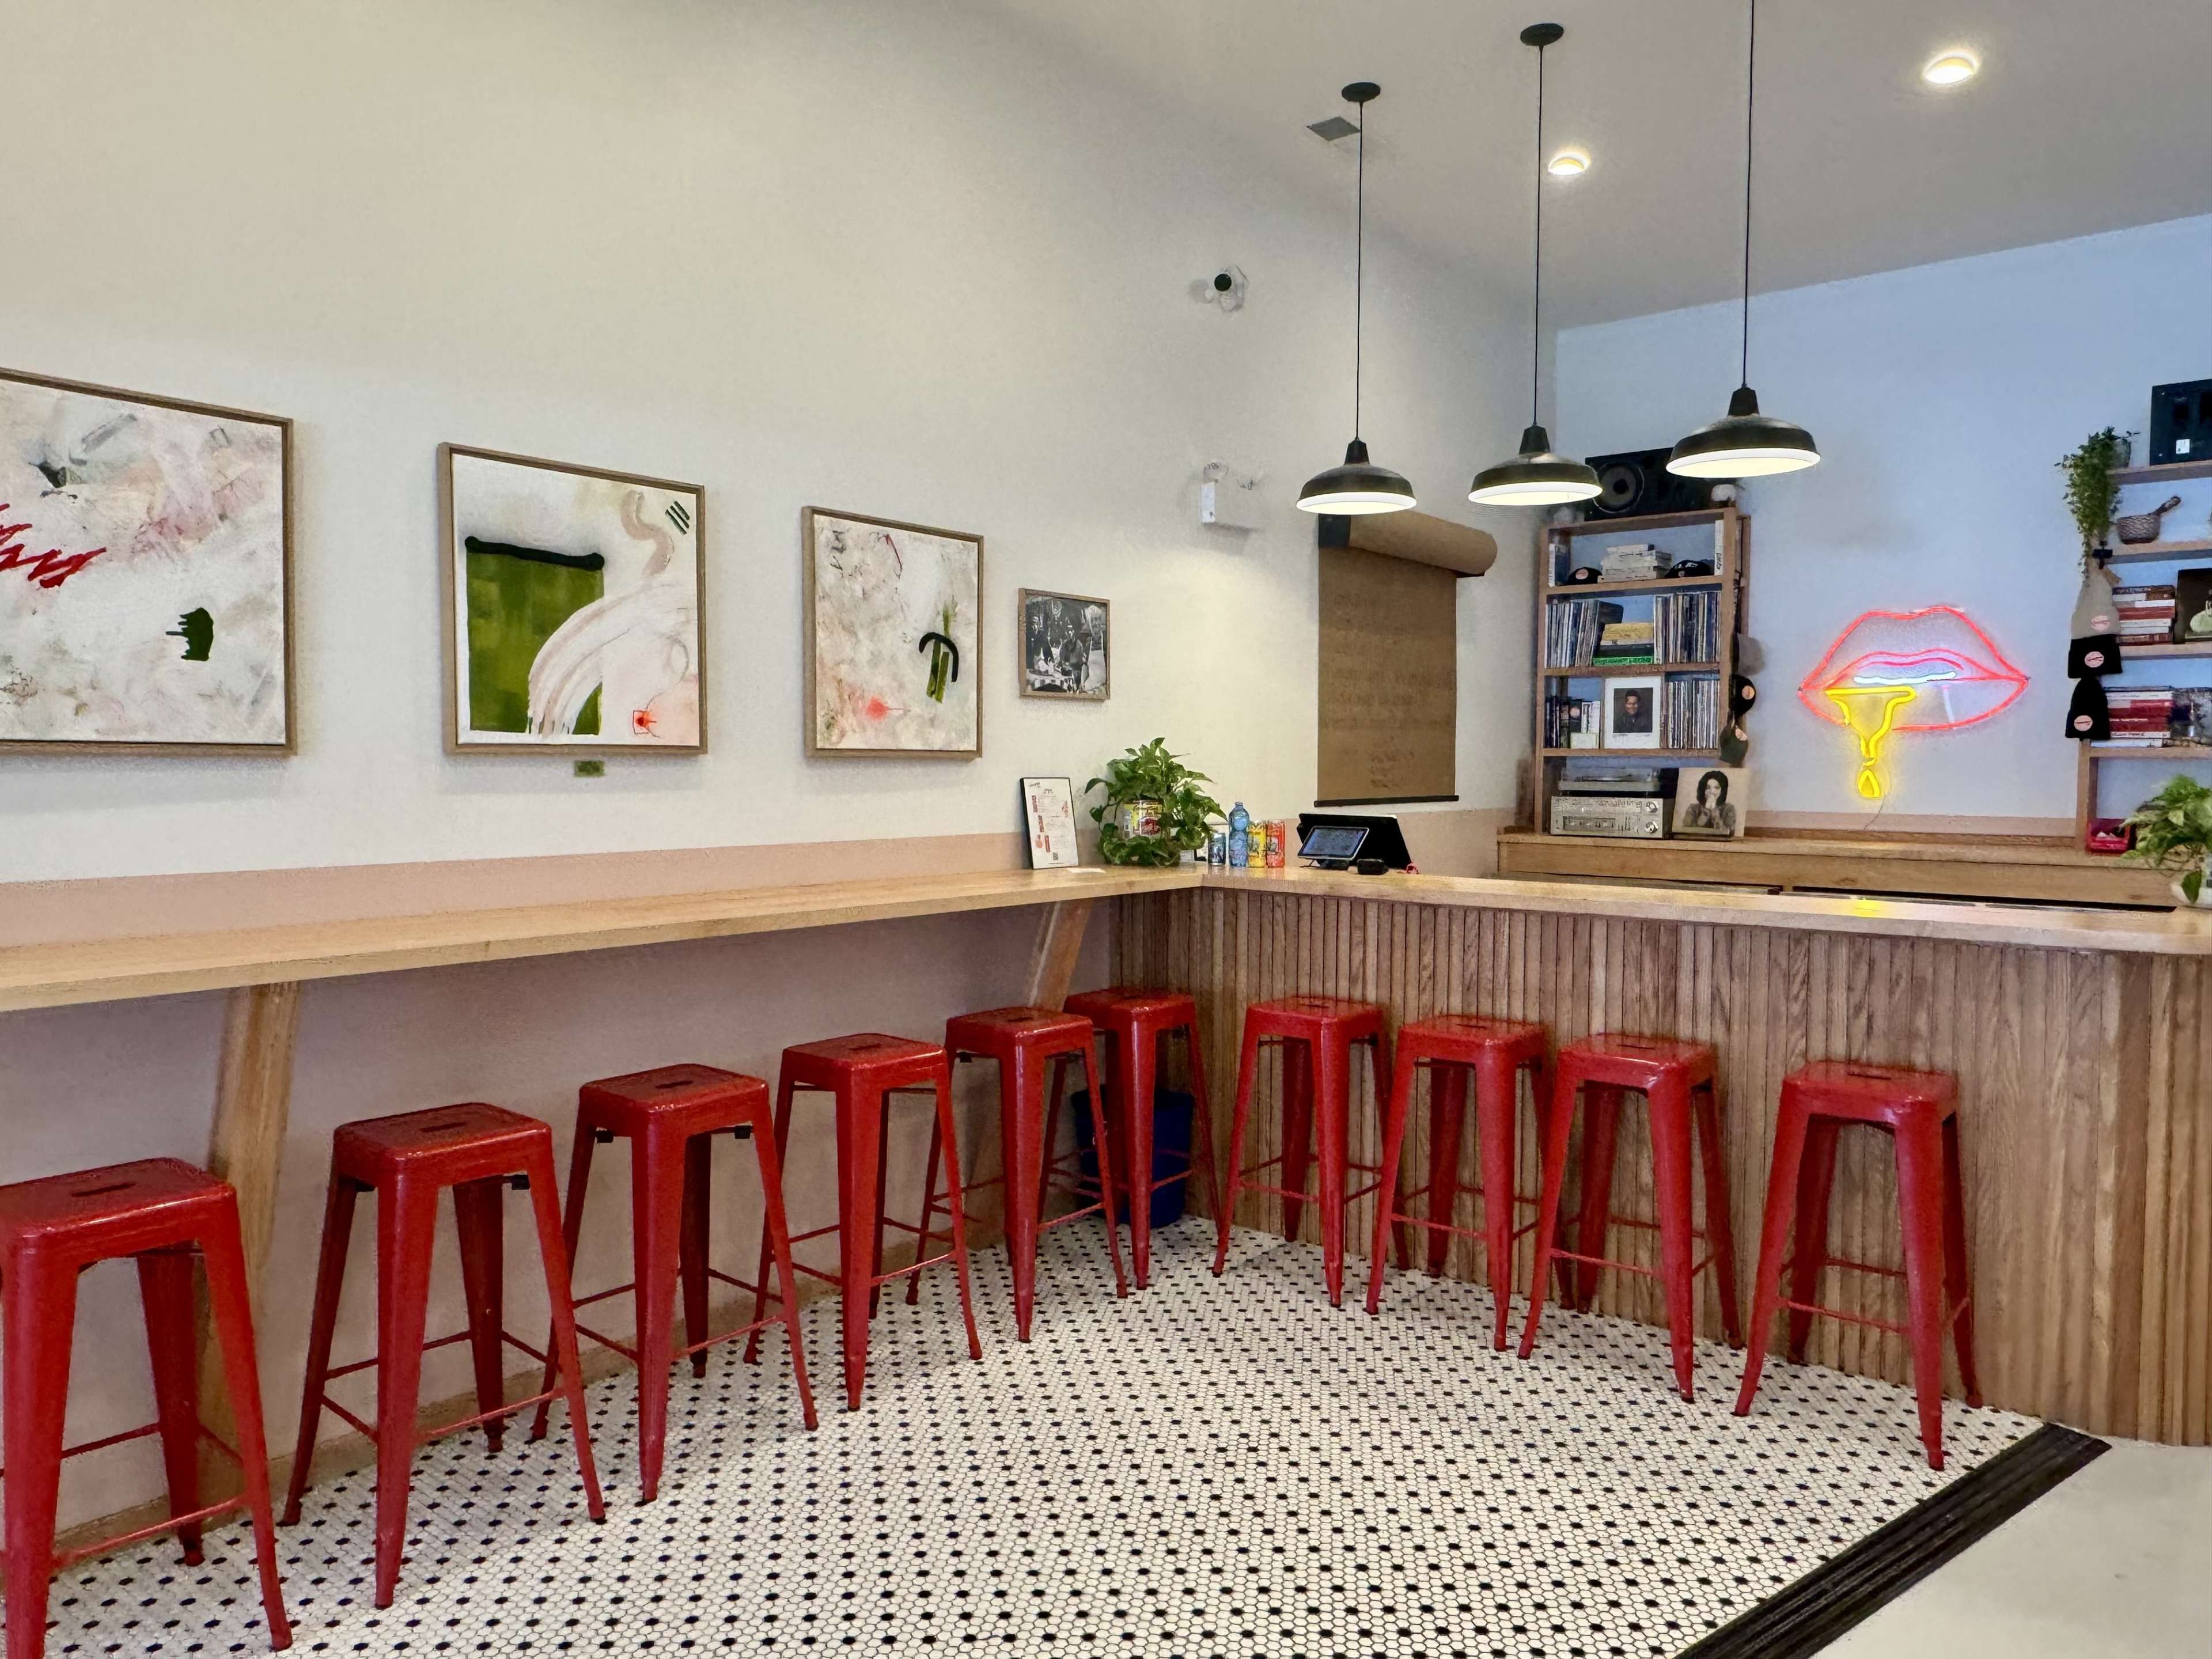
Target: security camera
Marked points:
1224	288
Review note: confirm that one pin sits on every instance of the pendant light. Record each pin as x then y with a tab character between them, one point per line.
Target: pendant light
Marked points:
1358	486
1745	444
1536	477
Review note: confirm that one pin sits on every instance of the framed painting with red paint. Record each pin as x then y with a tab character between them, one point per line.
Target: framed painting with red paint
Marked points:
893	638
574	606
145	574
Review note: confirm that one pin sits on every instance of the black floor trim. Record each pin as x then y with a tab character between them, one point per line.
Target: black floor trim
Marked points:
1881	1566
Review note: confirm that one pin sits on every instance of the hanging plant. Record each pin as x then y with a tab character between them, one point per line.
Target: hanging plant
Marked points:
1148	787
2092	493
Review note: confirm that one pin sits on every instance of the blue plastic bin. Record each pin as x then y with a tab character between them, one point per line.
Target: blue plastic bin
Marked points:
1171	1116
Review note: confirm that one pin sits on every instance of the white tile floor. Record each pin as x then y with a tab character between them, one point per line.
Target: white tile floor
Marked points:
1213	1468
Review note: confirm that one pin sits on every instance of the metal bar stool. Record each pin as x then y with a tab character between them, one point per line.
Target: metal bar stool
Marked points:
861	1073
407	1160
161	1213
1676	1079
1135	1024
1317	1036
669	1116
1919	1111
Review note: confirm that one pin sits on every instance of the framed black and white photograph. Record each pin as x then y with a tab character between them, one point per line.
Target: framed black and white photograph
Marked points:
1713	801
1048	807
1066	649
1631	713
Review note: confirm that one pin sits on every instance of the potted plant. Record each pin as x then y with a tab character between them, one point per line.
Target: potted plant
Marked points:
2092	496
1154	810
2173	832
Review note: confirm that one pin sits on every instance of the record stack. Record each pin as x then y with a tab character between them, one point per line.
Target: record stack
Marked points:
1572	627
1686	627
1690	713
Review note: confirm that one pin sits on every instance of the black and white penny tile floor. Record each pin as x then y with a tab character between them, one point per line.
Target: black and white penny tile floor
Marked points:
1216	1466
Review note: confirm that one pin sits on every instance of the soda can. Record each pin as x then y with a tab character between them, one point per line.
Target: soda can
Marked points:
1278	842
1257	857
1216	847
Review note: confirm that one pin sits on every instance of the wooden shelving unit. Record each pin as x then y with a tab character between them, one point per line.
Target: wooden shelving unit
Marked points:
1729	533
2171	473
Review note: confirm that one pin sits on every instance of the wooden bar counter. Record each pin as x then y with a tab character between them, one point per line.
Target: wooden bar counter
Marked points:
2082	1041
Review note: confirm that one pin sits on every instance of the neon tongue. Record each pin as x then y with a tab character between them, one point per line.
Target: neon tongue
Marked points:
1870	711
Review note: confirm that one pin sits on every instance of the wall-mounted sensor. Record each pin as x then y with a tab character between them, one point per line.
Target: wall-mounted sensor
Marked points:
1228	499
1223	288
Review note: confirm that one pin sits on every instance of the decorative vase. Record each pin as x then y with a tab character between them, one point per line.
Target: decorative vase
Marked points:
1139	818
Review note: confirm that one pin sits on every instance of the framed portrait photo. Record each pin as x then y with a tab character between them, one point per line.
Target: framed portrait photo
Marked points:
1632	711
1066	647
573	599
145	574
1048	809
1713	801
893	638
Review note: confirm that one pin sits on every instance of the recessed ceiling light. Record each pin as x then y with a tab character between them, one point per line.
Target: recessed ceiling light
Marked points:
1569	164
1949	69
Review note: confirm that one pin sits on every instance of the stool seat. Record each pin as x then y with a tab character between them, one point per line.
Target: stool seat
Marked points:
1330	1015
675	1098
871	1059
453	1143
1860	1092
1628	1061
117	1210
1000	1032
1123	1006
1472	1033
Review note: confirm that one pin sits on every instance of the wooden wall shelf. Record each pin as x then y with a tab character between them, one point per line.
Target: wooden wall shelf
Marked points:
2173	472
2154	552
1599	671
1656	585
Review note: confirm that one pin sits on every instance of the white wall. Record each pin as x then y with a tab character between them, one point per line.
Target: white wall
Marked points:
877	257
1940	397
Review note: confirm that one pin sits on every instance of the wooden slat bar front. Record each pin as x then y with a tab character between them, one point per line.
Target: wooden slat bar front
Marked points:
2081	1041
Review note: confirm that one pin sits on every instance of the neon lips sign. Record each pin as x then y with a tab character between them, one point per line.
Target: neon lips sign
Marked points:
1932	670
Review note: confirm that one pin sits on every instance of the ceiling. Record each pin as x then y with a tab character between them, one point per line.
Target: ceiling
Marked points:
2085	118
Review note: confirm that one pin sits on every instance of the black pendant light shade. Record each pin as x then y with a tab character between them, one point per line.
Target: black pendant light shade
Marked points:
1745	444
1358	486
1536	477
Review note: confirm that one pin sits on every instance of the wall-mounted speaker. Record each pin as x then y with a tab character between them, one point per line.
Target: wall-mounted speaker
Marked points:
1636	483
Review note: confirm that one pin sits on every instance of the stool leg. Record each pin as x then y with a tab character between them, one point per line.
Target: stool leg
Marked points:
37	1310
1387	1194
330	1280
1920	1192
1108	1191
1540	1076
1816	1178
1332	1114
479	1220
1394	1116
691	1256
1957	1283
1201	1119
1782	1189
783	1092
1673	1154
572	1230
1248	1067
1021	1156
1556	1132
777	1230
230	1311
1447	1117
555	1261
406	1220
1720	1221
1600	1136
1135	1123
165	1286
1497	1111
1056	1091
959	1219
882	1186
1298	1063
930	1206
860	1157
656	1209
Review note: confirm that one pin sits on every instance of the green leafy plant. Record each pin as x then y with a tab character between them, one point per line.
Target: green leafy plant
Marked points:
2092	496
2173	832
1149	772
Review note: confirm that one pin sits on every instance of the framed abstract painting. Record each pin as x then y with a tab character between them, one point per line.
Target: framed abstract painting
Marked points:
574	598
893	638
145	574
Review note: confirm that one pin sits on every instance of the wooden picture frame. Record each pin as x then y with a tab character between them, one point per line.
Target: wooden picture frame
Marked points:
966	663
24	554
457	742
1637	729
1023	664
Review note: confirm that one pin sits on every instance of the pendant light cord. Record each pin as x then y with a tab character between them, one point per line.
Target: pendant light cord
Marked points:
1750	92
1360	271
1536	317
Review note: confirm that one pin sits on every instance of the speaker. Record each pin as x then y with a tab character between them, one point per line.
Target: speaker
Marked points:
1638	483
2180	423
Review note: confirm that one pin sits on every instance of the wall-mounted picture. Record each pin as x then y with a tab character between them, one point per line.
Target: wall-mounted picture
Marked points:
1065	646
1713	801
893	638
145	574
1631	713
572	605
1048	809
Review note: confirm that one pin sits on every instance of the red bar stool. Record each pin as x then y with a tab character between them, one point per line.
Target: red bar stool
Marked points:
861	1074
1316	1034
159	1212
406	1161
669	1116
1677	1080
1135	1022
1022	1039
1919	1110
1452	1048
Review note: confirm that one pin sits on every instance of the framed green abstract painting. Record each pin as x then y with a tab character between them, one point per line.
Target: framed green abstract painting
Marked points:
574	598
